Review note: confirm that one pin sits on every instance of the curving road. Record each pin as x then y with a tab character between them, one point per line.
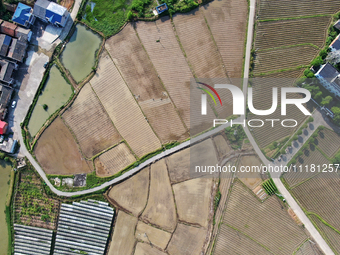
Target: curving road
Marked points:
290	200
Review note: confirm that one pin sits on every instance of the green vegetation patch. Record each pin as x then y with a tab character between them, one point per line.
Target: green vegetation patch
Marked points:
269	187
235	136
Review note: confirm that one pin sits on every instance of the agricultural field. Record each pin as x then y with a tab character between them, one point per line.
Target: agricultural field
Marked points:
193	200
173	69
319	195
130	122
187	240
266	135
308	248
160	209
142	79
202	54
58	153
33	207
283	58
232	241
309	157
90	123
114	160
291	32
331	237
179	166
251	180
131	194
276	232
229	31
328	142
221	145
146	249
271	9
156	236
123	238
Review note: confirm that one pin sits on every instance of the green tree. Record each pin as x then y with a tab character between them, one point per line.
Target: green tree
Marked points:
318	61
326	101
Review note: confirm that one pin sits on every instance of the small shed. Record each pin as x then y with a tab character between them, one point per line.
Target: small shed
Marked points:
161	8
8	28
23	15
3	127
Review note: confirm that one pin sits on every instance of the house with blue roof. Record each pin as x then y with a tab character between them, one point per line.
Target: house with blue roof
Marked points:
23	15
51	12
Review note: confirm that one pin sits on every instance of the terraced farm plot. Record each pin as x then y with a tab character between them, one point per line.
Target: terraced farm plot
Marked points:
229	31
265	223
172	69
156	236
272	9
309	248
202	53
230	241
193	199
291	32
137	70
160	209
123	109
146	249
123	238
131	194
187	240
330	236
284	58
320	195
267	134
58	153
263	89
114	160
90	123
328	142
307	159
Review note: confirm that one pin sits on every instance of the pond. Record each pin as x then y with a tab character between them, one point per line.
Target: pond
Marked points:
79	54
55	94
5	174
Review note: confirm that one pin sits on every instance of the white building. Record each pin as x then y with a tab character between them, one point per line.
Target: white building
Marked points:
329	78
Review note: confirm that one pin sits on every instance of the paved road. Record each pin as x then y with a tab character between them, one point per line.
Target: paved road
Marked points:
290	200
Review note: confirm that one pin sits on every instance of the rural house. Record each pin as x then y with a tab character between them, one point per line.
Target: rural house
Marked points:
335	45
5	42
23	15
6	71
23	34
51	12
17	50
329	78
8	28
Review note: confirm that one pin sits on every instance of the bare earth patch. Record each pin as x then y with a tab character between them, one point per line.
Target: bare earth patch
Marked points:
186	240
146	249
160	209
157	237
131	194
58	153
123	238
193	199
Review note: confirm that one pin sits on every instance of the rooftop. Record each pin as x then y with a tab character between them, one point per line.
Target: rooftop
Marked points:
5	42
22	14
328	72
6	70
336	43
17	50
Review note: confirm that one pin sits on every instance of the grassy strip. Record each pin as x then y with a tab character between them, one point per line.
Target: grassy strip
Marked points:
324	222
293	18
10	212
